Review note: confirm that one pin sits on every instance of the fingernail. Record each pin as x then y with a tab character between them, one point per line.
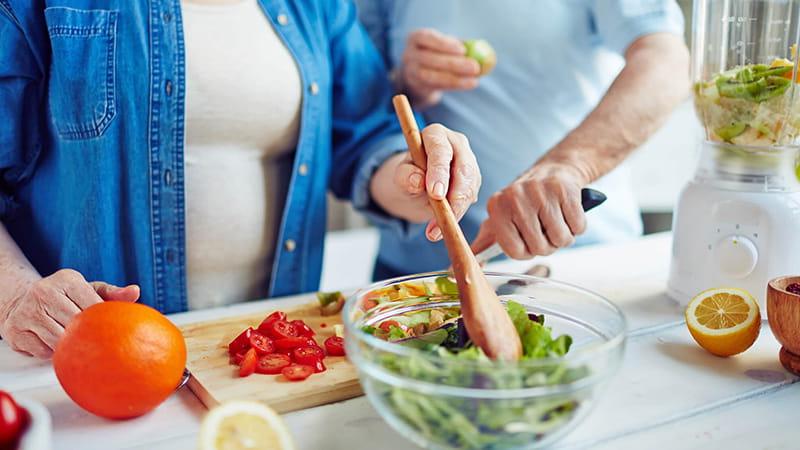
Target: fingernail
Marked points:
416	180
436	233
438	189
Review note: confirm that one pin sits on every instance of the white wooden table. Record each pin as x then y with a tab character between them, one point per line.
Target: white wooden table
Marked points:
668	394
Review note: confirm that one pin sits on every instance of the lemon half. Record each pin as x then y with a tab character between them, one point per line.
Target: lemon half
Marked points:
243	425
724	321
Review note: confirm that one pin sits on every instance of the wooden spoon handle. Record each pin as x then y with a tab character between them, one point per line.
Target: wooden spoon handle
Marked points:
445	217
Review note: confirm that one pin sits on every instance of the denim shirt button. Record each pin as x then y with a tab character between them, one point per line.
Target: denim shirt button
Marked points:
168	177
290	245
167	17
303	169
283	19
168	87
171	256
314	88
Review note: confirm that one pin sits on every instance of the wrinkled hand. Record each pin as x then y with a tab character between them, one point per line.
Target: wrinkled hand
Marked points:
433	62
536	214
452	172
34	321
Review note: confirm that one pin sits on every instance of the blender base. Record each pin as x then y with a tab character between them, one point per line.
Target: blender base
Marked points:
732	238
790	361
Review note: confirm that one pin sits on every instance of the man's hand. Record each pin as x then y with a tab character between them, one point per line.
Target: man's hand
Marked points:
433	62
537	214
402	189
33	321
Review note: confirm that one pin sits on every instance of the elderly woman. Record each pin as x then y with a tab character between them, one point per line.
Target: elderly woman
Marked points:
183	149
579	85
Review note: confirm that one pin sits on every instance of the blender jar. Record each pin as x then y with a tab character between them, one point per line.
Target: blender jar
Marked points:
744	73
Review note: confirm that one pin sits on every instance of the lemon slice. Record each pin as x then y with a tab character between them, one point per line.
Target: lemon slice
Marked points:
724	321
242	425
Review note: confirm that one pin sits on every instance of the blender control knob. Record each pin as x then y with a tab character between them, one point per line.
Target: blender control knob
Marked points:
736	256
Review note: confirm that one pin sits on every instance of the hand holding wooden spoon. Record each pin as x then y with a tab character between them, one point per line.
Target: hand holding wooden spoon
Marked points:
485	318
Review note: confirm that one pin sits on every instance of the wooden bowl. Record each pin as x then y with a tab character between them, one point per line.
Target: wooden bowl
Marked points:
783	312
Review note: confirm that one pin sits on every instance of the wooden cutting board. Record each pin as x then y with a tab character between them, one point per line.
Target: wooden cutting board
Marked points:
214	380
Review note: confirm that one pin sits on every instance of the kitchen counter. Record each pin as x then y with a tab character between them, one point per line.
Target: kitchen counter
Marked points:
668	392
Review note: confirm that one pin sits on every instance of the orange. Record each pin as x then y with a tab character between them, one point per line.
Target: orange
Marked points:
724	321
120	360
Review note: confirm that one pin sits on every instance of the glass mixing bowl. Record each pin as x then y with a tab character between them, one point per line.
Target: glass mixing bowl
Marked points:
439	401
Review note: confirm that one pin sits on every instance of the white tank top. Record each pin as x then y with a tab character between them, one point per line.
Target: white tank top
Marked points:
243	96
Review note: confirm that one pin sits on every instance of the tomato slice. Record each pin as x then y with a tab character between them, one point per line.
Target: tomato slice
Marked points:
297	372
334	346
262	344
265	324
248	365
13	420
302	328
319	366
307	356
238	358
241	343
272	364
290	343
387	325
281	329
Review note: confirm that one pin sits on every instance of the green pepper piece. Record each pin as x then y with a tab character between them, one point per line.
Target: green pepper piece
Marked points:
729	132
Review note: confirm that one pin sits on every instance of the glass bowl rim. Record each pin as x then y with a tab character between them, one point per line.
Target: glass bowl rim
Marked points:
584	353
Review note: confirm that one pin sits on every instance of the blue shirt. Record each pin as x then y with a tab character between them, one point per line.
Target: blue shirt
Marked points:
555	60
92	133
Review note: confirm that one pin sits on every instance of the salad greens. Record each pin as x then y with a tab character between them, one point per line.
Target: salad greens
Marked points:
449	358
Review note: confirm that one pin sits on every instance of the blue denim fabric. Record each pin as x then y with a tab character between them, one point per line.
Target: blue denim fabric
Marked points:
92	128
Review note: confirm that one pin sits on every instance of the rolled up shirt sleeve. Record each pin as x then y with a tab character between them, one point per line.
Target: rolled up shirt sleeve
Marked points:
365	131
620	22
20	108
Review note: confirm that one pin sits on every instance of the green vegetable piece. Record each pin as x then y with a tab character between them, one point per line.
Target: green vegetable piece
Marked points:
427	341
326	298
729	132
369	329
446	286
396	333
483	53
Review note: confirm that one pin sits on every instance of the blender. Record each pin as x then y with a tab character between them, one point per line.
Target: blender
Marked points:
737	222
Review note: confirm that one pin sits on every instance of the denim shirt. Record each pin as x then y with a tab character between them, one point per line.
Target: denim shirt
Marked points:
92	135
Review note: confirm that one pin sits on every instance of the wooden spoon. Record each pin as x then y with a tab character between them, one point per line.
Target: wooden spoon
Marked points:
485	318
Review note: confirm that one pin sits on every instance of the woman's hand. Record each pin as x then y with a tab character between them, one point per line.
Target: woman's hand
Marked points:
33	321
402	189
433	62
536	214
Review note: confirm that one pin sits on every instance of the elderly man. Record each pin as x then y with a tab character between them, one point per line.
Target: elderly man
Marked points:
578	86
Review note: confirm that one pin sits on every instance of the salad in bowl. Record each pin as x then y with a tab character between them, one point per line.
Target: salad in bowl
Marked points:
427	379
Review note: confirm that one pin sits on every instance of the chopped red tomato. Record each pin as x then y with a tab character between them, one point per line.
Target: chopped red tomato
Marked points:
319	366
265	324
302	328
290	343
334	346
368	304
262	344
281	329
241	343
307	355
238	358
13	421
297	372
272	364
387	325
248	365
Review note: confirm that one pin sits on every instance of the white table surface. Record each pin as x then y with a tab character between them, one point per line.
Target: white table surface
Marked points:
668	393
